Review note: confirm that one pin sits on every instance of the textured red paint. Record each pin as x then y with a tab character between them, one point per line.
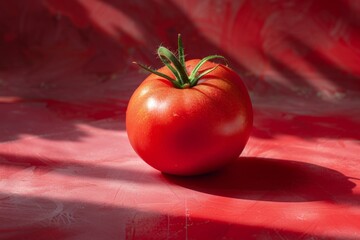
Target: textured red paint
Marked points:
67	170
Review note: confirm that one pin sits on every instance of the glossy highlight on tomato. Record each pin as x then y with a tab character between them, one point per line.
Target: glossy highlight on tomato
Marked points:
186	128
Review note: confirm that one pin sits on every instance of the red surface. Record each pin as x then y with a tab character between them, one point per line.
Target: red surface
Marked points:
67	169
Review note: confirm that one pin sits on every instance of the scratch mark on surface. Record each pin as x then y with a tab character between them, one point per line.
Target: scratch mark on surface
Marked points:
171	190
168	227
64	218
116	194
278	234
187	214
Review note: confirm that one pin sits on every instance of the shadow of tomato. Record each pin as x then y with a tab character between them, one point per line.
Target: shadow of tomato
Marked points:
271	180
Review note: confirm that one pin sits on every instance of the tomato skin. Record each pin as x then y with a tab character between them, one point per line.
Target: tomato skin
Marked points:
193	130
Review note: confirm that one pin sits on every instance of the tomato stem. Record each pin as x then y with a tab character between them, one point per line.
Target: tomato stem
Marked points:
169	59
177	66
173	81
181	51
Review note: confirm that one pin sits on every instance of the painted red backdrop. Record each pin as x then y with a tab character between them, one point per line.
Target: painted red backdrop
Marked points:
67	170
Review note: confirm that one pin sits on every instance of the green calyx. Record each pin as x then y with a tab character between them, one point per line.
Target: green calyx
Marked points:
177	67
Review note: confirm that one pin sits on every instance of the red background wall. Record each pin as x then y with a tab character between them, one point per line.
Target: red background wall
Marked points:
301	46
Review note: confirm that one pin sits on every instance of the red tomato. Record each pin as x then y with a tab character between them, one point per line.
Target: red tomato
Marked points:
191	130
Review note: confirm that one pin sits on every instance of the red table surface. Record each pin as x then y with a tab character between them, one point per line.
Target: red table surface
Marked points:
67	170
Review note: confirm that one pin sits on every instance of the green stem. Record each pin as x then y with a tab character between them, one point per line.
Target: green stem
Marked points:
198	77
178	67
181	51
173	81
199	65
168	58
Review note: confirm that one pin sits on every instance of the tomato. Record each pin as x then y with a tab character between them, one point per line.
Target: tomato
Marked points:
189	128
